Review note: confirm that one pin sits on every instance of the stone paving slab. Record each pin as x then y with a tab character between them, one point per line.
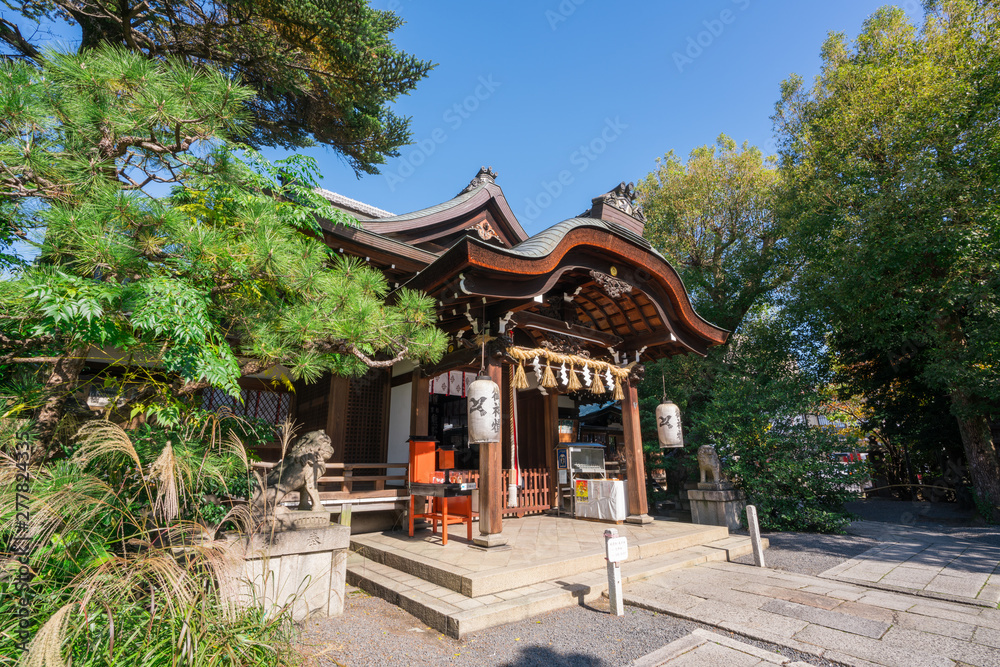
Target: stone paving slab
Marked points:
876	627
702	648
456	614
541	548
929	564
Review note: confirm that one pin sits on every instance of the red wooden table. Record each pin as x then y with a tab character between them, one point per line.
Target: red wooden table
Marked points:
441	493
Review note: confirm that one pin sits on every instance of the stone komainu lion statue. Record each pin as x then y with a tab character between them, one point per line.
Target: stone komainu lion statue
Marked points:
301	468
708	462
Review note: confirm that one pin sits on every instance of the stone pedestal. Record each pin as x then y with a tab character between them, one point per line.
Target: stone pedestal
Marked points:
716	505
304	569
490	541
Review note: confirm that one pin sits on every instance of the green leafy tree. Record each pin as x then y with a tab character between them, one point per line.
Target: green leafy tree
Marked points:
715	218
227	276
907	423
757	419
892	157
719	219
323	70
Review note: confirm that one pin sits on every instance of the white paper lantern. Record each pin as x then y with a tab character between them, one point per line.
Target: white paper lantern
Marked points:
484	410
668	425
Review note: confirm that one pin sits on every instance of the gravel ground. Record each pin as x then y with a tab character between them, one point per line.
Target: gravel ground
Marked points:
945	518
374	632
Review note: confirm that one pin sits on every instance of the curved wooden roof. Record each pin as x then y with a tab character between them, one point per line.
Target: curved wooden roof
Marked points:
437	227
593	281
600	284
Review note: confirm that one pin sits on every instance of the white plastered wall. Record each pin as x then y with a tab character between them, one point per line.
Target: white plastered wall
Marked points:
399	426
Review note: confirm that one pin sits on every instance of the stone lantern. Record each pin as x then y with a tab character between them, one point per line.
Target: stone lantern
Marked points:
668	424
484	410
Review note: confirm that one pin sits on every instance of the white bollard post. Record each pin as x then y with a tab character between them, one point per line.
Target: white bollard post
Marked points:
758	547
615	551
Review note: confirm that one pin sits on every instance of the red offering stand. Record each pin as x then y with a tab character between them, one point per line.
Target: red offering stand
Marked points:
427	481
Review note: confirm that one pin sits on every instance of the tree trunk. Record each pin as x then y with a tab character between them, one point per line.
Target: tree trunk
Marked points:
981	454
61	382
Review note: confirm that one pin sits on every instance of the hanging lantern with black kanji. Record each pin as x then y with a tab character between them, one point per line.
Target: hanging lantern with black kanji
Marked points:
668	424
484	410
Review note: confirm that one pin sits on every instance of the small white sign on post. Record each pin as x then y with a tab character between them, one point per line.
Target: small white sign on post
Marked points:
616	550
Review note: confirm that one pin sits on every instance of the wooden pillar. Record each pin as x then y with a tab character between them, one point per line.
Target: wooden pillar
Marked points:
420	399
491	477
634	462
550	438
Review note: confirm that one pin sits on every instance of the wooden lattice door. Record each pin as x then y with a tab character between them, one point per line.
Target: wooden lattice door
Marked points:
366	427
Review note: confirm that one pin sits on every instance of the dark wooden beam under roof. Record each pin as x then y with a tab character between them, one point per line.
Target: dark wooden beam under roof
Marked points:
535	321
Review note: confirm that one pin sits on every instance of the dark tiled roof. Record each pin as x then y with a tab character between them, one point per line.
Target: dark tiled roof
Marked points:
544	242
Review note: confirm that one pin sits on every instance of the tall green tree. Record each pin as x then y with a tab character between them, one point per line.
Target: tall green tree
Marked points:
892	157
718	219
226	276
323	70
715	217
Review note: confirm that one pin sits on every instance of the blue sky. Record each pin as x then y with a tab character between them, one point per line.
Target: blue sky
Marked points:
567	98
590	91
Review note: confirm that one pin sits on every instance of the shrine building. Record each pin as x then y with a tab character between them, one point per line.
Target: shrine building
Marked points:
558	320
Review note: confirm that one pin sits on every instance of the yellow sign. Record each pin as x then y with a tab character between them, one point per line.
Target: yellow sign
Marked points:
582	489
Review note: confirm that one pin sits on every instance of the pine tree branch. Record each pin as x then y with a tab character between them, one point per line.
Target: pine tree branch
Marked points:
372	363
10	33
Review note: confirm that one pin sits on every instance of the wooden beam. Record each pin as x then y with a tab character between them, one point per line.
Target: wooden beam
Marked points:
452	360
638	508
551	324
490	472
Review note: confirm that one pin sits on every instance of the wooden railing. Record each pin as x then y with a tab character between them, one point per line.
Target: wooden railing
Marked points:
532	495
343	473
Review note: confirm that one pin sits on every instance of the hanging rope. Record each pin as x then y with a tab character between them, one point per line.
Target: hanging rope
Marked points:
515	472
613	375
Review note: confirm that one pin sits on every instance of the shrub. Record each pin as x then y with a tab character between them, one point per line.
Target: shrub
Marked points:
124	573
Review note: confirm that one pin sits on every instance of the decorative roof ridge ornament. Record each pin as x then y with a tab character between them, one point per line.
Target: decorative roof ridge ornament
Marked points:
612	286
621	197
485	175
485	230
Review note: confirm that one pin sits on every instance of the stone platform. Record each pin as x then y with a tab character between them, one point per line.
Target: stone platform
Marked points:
550	562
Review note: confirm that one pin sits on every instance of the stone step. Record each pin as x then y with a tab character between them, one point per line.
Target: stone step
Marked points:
494	581
456	615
